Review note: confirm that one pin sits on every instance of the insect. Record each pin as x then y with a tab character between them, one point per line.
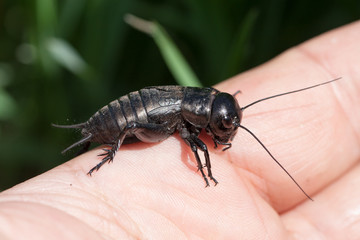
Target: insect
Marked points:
152	114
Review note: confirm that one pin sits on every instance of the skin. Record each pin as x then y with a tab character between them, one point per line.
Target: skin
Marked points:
152	191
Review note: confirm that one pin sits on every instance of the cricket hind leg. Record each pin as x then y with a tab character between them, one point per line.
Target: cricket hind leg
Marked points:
135	129
108	156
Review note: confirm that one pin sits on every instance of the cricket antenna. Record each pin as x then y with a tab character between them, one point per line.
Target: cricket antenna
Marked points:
282	94
257	139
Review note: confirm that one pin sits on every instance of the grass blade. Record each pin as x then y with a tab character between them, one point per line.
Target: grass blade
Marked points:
175	61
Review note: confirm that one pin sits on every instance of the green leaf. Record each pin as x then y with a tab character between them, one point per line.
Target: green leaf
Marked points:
175	61
65	55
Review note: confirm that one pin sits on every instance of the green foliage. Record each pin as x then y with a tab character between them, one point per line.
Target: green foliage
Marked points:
178	66
60	61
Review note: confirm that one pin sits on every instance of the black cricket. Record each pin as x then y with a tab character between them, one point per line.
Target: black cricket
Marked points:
152	114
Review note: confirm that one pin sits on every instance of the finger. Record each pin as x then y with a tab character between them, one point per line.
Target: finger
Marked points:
29	220
66	191
314	134
335	214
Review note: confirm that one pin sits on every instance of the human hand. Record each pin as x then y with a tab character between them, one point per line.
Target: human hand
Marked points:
153	191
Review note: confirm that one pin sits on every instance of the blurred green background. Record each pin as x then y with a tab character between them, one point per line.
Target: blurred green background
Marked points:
60	61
